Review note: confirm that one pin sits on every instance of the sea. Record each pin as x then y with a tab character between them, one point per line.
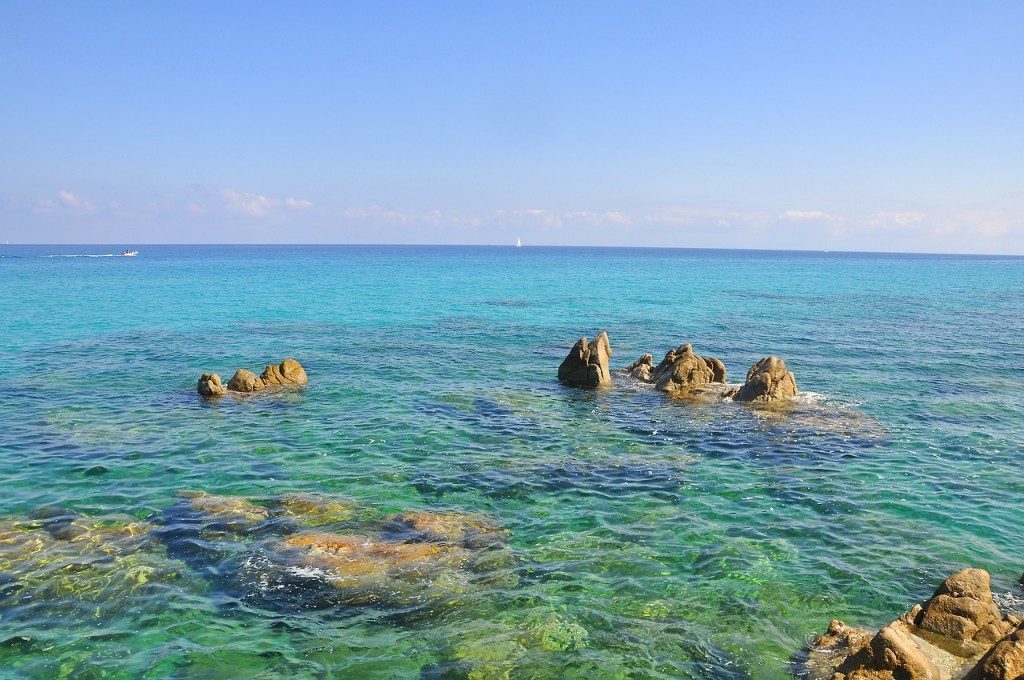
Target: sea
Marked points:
487	521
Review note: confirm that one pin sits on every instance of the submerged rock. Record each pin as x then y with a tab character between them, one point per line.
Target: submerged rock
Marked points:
470	531
210	385
364	570
231	513
74	561
313	509
768	380
586	365
942	638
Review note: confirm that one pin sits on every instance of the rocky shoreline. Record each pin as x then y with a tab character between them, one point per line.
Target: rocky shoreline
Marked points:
958	633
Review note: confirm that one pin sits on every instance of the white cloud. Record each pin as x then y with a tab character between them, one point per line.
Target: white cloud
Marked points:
619	218
812	215
258	205
533	216
896	220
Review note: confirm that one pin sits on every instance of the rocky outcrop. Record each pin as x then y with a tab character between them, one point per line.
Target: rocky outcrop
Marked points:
680	371
958	630
768	380
586	365
289	373
210	385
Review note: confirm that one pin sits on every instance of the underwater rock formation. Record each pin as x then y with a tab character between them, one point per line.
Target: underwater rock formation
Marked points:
289	373
260	550
68	560
958	632
586	365
768	380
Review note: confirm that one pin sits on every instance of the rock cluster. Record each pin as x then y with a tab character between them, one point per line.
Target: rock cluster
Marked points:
288	373
586	365
680	373
682	370
957	633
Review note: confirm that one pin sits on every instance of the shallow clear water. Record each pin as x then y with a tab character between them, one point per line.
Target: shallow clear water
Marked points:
647	538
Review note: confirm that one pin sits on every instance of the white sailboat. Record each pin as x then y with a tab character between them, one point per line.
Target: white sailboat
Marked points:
519	244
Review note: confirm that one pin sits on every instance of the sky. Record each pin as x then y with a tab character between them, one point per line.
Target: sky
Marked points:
871	126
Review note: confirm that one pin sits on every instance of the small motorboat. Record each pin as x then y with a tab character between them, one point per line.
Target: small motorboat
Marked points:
129	253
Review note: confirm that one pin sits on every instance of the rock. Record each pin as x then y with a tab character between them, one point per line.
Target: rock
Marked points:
641	368
767	381
839	643
289	372
942	638
586	365
962	609
717	369
1005	661
210	385
681	370
245	381
890	654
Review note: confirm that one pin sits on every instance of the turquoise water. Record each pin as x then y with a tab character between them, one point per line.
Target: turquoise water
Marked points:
646	538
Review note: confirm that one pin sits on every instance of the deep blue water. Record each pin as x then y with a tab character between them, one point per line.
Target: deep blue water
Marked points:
646	538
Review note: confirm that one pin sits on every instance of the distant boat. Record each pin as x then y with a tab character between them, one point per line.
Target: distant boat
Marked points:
519	244
129	253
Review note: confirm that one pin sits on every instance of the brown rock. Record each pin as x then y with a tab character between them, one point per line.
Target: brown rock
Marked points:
767	380
1005	661
245	381
839	643
680	370
717	369
586	365
641	368
210	385
962	609
289	372
890	654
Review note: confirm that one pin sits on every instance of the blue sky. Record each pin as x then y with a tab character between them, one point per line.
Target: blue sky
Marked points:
856	126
